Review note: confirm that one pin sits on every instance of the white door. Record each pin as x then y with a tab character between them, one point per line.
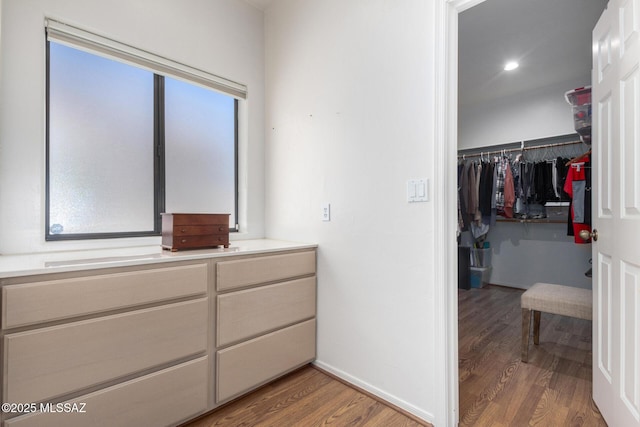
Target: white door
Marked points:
616	213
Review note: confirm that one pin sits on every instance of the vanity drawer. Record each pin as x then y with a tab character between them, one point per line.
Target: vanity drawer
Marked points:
196	230
170	396
248	313
252	363
187	242
36	302
252	271
50	362
174	219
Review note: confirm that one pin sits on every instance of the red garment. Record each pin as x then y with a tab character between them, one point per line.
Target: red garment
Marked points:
576	173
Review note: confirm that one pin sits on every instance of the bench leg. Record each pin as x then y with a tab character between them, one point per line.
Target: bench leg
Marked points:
536	327
526	328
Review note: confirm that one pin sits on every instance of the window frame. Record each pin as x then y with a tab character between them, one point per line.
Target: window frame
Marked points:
159	161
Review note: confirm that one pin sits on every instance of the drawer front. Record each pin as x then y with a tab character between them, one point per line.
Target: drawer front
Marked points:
252	271
200	219
248	313
50	362
182	242
163	398
198	230
252	363
31	303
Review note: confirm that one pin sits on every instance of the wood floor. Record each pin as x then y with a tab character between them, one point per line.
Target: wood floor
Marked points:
307	397
497	389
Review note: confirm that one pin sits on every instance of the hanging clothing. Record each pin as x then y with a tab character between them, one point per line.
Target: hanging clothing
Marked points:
509	191
463	192
578	187
561	173
494	190
520	206
472	207
543	185
477	215
511	188
486	189
554	178
527	176
462	226
500	178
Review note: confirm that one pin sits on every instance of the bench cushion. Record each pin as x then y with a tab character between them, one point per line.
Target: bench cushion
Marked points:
558	299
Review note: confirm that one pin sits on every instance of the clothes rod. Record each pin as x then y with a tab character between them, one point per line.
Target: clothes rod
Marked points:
480	152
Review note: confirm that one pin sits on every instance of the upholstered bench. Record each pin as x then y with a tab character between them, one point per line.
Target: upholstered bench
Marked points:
555	299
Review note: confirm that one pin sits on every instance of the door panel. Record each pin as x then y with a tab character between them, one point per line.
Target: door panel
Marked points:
603	316
629	24
603	150
630	153
630	339
616	160
603	55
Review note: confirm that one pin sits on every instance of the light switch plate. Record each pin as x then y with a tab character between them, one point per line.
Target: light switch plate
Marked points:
417	190
326	212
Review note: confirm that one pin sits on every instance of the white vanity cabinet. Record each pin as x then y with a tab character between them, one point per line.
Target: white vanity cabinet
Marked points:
115	340
266	308
154	343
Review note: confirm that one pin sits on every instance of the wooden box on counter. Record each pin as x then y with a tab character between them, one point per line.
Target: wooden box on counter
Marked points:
194	231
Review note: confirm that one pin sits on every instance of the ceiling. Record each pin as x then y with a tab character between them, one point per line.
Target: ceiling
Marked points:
551	39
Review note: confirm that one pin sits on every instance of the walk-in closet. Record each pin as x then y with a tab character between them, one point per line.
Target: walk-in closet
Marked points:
524	74
526	238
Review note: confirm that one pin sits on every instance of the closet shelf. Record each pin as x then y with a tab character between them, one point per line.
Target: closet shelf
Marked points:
556	142
534	221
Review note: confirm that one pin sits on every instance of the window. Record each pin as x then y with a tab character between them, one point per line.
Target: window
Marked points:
200	135
100	146
130	136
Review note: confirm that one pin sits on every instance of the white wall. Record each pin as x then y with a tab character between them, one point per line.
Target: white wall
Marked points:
540	113
224	37
524	254
349	120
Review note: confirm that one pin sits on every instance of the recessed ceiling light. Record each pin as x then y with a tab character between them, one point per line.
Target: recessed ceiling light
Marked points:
511	65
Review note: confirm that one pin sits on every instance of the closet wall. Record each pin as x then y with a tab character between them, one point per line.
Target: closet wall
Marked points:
535	114
524	254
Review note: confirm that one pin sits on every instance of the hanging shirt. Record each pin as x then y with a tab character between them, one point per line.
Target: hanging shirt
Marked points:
486	190
500	177
461	223
520	206
527	175
509	191
562	170
578	187
554	178
477	215
472	206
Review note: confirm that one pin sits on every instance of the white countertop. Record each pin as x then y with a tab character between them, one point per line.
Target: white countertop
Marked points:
59	262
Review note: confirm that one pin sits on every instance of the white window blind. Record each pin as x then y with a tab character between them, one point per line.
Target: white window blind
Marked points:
81	39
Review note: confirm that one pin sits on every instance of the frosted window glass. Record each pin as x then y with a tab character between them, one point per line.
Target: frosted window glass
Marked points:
199	150
101	164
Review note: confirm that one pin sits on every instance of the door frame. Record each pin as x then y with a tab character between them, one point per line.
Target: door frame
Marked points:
445	196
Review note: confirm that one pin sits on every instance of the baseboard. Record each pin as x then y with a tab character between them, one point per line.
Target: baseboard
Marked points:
416	414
